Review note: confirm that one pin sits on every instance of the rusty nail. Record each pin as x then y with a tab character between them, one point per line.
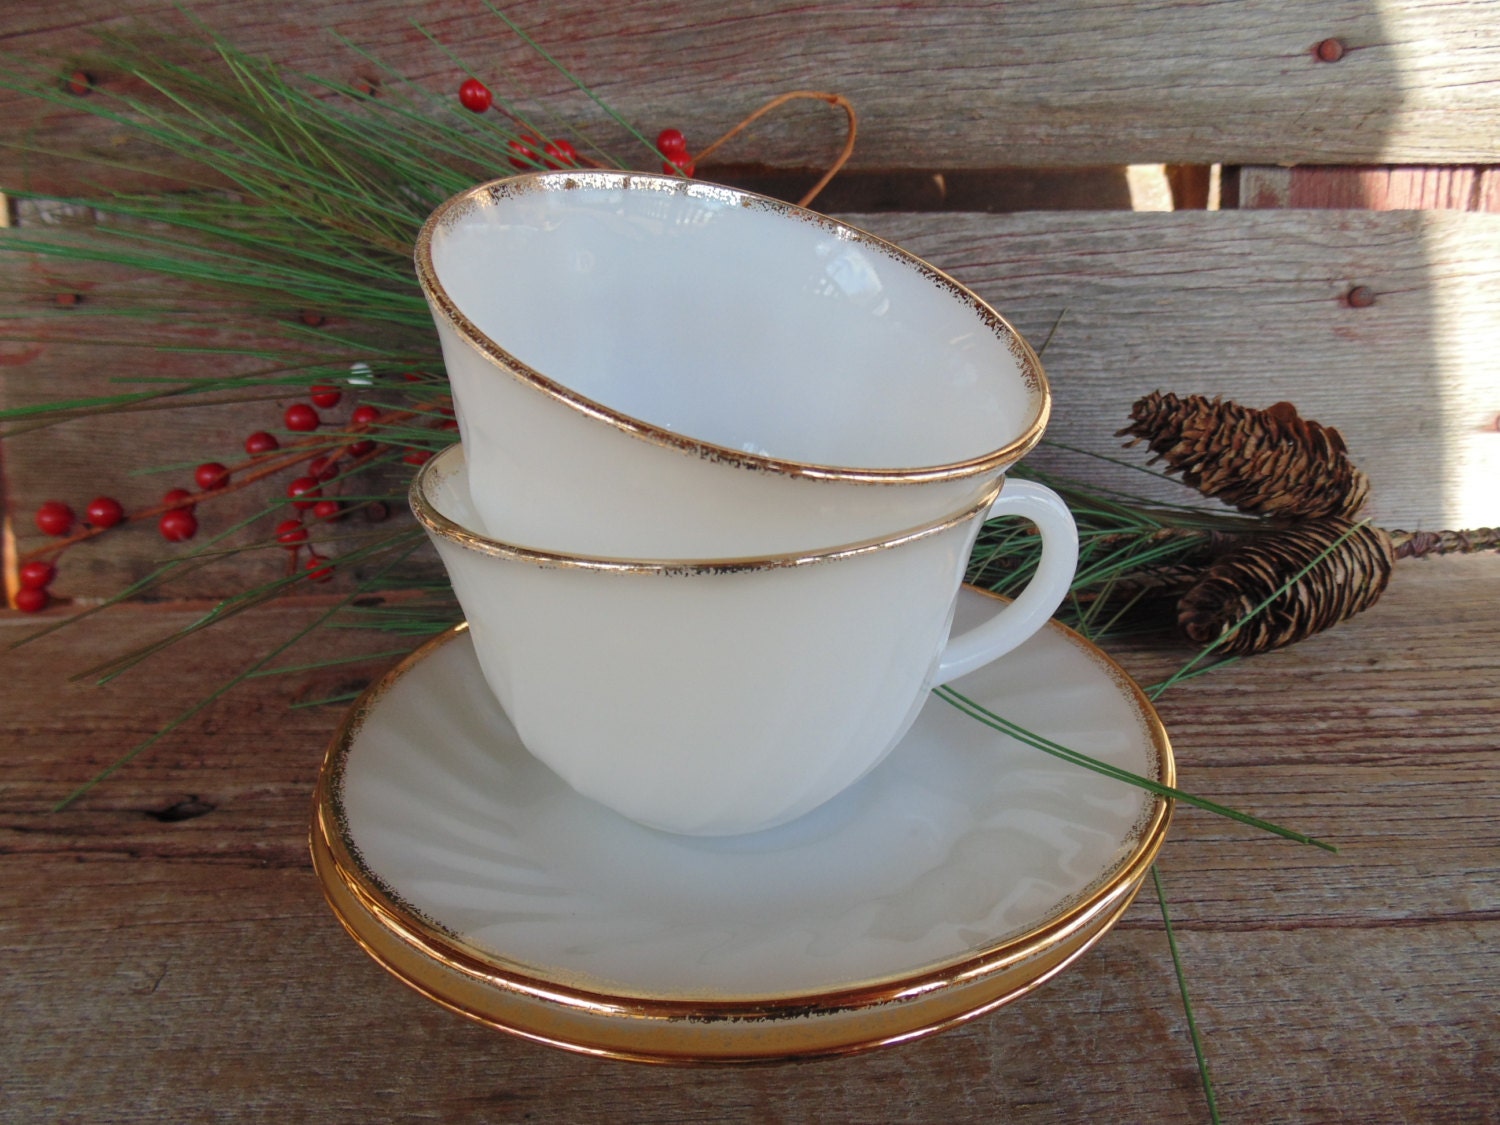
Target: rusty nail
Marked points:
365	87
313	319
1330	50
1360	297
66	300
80	83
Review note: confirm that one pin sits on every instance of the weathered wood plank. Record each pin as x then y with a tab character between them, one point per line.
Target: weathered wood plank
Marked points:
1251	305
189	969
1254	306
939	85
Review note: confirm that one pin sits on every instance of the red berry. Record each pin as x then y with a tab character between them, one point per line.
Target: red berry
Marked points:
327	510
360	448
32	600
105	511
324	468
671	142
312	318
301	418
210	476
177	525
364	415
325	396
291	534
417	456
319	569
474	95
37	574
523	150
261	442
679	165
54	518
304	492
178	498
563	154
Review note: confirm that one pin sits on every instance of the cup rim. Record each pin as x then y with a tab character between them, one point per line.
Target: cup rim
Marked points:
492	191
450	530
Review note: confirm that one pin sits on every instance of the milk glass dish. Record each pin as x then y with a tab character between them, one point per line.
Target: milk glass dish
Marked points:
651	367
731	695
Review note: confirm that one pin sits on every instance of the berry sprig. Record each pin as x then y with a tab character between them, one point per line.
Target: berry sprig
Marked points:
674	153
327	456
527	151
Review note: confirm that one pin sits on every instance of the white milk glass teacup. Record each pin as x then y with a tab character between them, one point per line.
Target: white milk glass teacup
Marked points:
650	367
729	695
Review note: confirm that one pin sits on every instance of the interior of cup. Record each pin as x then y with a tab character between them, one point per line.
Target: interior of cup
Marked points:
734	320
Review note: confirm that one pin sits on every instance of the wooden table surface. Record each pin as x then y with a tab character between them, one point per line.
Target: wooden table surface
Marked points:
172	969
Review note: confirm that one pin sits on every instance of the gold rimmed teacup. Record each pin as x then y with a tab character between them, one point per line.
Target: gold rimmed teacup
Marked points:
651	367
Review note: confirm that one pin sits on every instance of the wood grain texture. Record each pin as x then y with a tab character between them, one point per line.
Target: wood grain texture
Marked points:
1253	306
1250	305
186	970
939	85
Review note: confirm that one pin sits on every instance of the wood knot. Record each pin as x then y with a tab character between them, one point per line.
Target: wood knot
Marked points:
188	809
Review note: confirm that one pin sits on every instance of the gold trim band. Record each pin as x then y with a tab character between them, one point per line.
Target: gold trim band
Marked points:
437	523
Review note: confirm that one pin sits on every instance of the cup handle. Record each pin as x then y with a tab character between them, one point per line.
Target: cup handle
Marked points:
1018	620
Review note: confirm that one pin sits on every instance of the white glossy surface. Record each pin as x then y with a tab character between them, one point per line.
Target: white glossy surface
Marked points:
754	329
960	840
713	701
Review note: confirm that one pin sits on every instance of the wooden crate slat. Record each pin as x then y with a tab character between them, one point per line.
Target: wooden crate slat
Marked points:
1250	305
938	85
1253	306
190	968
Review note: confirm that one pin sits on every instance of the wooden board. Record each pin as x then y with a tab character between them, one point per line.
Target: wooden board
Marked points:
1254	306
938	85
1249	305
188	969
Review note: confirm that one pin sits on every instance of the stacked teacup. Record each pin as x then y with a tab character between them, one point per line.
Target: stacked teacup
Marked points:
723	461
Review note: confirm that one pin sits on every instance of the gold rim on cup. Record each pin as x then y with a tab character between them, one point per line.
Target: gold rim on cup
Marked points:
437	523
488	194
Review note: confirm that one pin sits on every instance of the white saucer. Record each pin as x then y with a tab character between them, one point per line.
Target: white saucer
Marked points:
961	873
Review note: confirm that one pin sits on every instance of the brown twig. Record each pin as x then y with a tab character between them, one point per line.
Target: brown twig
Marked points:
1420	544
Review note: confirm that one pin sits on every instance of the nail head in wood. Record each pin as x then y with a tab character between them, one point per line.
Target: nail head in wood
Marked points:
1360	297
1329	50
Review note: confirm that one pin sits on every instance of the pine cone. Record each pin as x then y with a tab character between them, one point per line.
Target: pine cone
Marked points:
1265	462
1348	579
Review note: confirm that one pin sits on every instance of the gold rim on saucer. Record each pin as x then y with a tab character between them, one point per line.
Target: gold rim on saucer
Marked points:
622	1023
487	194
